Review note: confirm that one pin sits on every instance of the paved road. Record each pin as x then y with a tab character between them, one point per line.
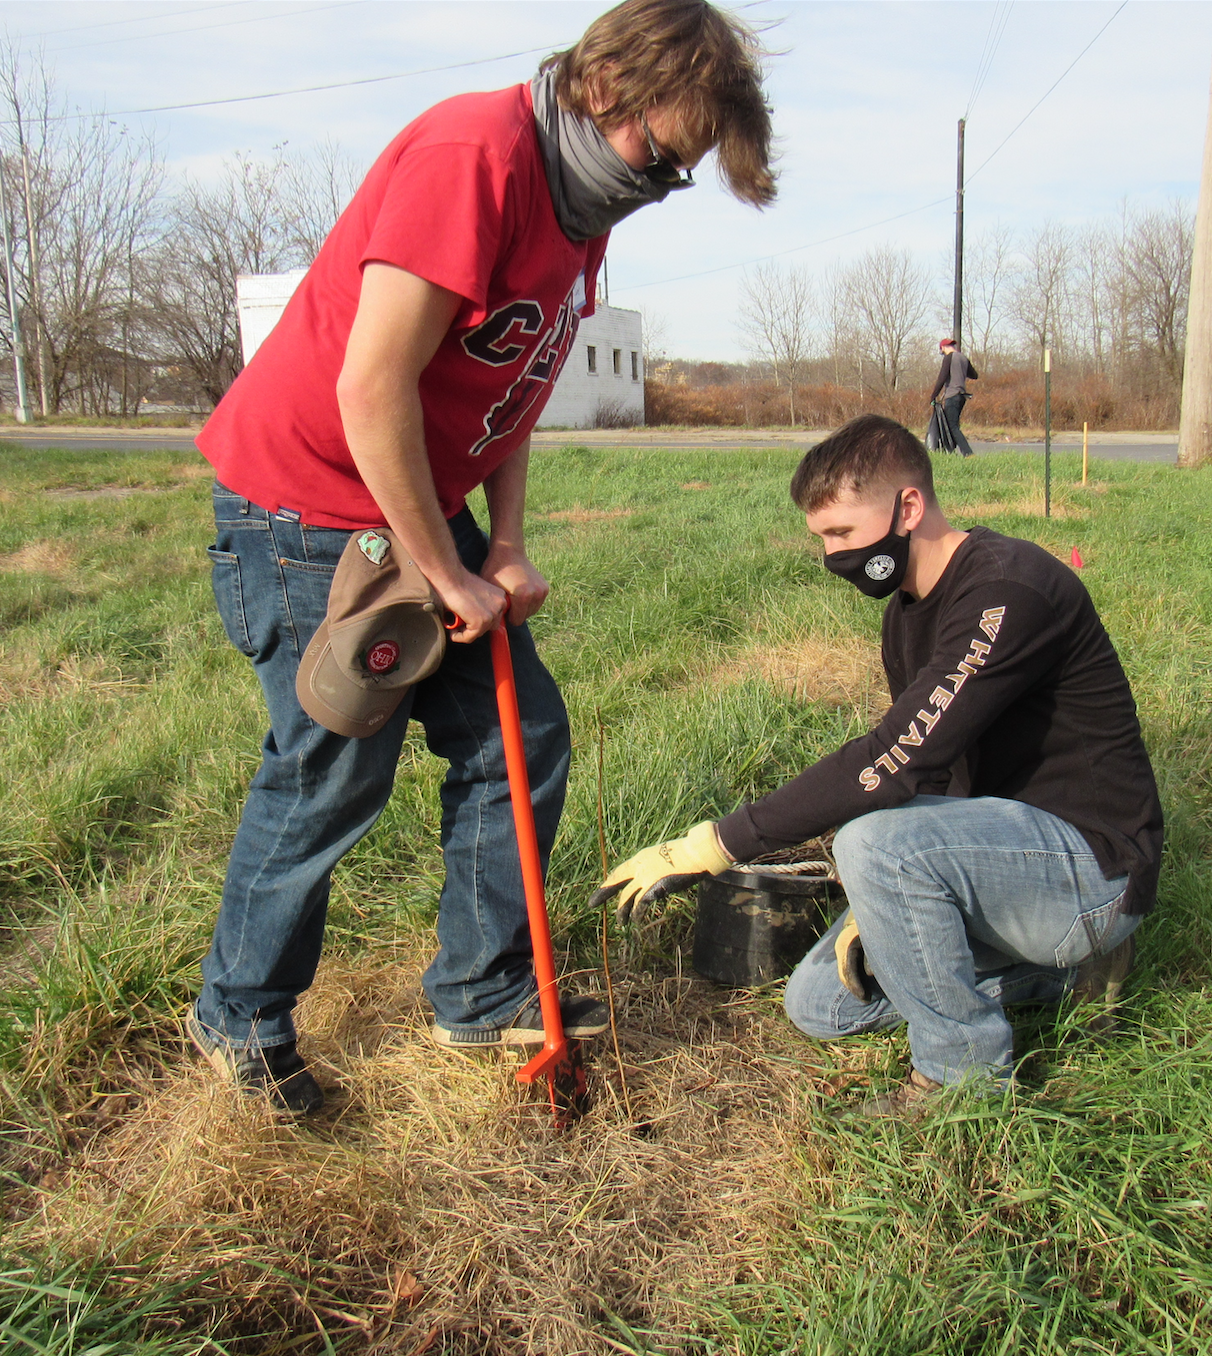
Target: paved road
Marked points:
103	439
1111	446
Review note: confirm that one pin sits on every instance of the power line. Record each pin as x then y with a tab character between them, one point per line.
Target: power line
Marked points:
1049	90
826	240
202	28
993	39
302	89
143	18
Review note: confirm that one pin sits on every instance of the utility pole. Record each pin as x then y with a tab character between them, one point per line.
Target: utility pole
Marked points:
21	409
1195	422
957	307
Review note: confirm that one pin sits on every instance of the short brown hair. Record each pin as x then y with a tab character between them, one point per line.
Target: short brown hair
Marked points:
690	56
866	456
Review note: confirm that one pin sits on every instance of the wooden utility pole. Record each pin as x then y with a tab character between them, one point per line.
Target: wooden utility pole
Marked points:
1195	422
957	307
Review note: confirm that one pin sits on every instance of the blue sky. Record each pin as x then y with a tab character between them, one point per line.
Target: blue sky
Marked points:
866	98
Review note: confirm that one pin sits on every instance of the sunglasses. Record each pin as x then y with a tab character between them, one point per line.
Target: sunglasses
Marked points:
663	167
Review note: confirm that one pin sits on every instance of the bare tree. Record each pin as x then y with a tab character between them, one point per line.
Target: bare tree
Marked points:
1159	268
1042	294
988	280
217	232
890	295
88	189
316	189
655	331
775	316
1092	292
839	325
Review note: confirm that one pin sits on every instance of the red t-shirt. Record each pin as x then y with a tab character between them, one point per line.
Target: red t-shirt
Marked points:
459	198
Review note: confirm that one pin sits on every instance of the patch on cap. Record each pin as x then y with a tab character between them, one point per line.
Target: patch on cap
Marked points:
374	547
382	658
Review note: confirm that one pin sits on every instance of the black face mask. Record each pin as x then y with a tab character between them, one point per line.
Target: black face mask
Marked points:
879	569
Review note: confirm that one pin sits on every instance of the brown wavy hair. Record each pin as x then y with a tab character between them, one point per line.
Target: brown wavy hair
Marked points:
686	55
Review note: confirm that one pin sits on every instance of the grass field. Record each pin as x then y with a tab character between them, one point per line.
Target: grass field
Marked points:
720	1202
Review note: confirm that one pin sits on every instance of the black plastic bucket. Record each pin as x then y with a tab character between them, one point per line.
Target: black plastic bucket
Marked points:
753	928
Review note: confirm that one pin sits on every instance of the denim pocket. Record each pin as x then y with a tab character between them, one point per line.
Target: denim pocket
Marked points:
229	598
307	586
324	545
1088	934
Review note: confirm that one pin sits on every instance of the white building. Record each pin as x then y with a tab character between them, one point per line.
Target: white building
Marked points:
602	384
260	300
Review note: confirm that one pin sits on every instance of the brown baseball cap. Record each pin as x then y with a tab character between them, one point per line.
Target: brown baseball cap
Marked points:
382	634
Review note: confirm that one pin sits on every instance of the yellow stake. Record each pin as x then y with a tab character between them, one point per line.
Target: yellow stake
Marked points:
1085	452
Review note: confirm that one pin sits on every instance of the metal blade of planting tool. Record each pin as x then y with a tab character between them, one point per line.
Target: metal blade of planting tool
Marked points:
560	1059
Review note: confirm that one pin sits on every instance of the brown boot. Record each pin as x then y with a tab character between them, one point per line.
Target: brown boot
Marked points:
910	1099
1100	980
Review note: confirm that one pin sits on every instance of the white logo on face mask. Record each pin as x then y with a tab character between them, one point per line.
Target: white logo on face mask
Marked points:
879	567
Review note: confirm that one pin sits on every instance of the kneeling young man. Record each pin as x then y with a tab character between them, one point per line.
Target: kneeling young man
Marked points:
1000	828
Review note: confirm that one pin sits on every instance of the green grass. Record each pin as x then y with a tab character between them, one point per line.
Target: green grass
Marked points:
1075	1219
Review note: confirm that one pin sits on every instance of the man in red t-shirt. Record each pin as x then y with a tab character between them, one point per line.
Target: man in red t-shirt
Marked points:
409	367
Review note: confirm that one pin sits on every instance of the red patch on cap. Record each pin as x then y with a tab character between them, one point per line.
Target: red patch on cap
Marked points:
383	657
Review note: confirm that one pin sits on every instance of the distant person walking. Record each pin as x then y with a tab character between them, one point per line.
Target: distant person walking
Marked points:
955	372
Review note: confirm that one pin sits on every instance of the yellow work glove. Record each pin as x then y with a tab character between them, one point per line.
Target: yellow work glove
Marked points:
852	967
663	870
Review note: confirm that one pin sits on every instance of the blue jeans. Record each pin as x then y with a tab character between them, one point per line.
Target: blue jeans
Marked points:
964	907
952	409
317	793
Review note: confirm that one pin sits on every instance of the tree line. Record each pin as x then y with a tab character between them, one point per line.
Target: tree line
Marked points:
123	282
1109	300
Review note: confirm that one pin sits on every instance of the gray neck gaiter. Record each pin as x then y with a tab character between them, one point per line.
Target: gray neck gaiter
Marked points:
592	186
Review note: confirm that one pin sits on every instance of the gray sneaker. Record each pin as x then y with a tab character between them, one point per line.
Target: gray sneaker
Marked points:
275	1072
583	1017
1100	980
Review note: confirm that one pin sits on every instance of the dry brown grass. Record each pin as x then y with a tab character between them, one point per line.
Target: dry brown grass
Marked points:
815	669
431	1207
49	556
1026	506
24	677
584	515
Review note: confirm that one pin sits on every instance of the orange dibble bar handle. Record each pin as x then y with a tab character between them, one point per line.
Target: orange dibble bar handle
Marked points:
528	843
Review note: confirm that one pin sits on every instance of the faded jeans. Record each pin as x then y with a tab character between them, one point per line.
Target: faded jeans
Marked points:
317	793
964	907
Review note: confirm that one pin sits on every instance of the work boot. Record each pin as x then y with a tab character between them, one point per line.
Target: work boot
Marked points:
583	1017
1100	980
910	1100
275	1072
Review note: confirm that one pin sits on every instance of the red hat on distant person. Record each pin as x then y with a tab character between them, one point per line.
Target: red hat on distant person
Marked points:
947	343
383	633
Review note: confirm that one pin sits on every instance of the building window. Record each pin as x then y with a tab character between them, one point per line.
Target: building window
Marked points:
635	365
618	362
592	354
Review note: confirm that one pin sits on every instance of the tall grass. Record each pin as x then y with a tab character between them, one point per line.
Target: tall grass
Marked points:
706	656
